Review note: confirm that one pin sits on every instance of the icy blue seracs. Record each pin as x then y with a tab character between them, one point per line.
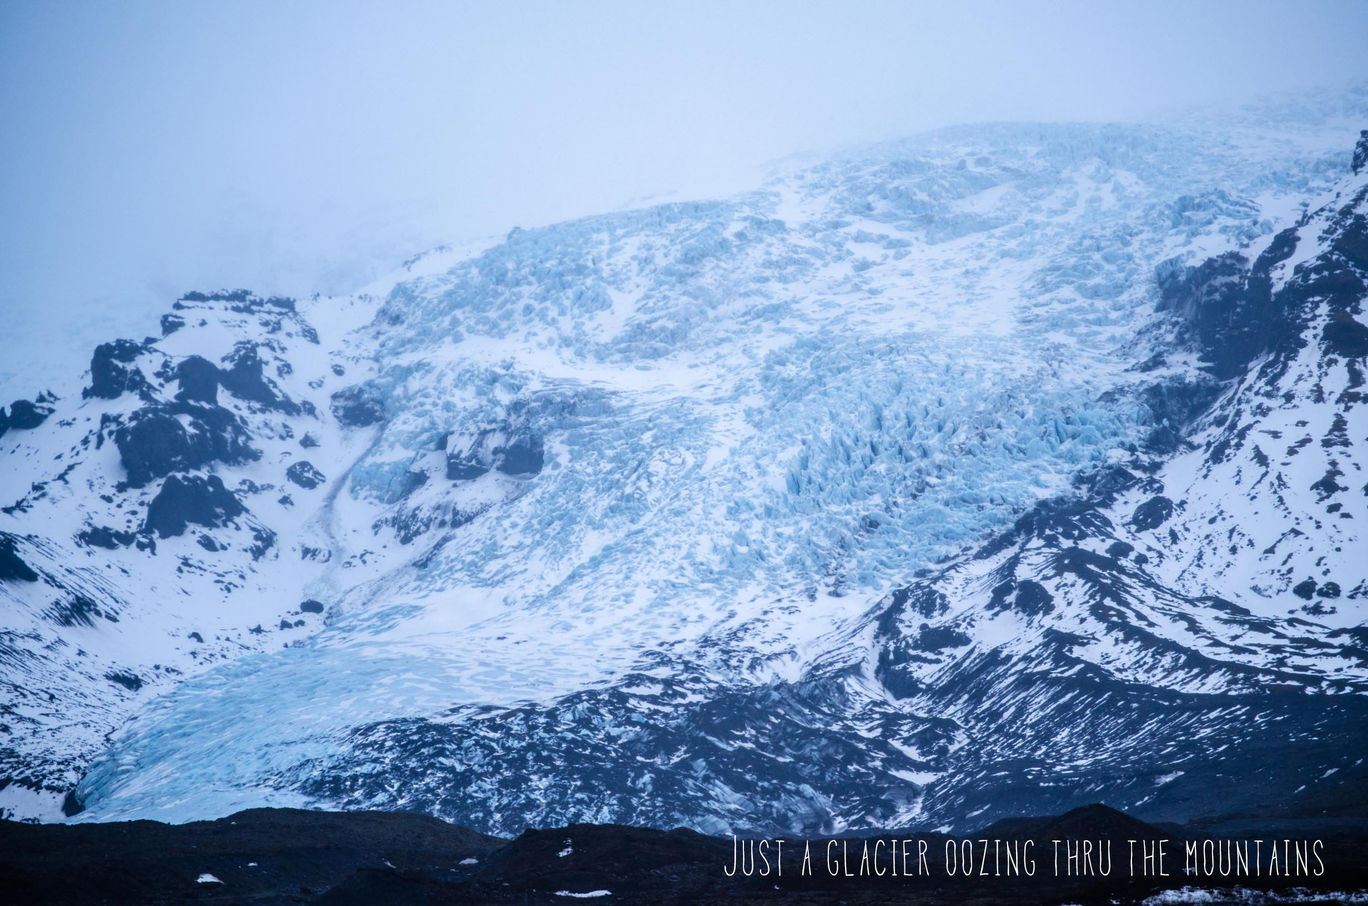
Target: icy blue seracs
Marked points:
759	416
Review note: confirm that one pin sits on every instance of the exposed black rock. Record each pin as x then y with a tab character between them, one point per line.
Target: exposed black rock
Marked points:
938	638
413	523
188	499
517	453
223	295
198	379
112	372
1361	152
311	606
240	300
1152	513
1173	405
405	484
1227	309
308	441
1032	599
1119	550
358	406
157	441
170	323
305	475
245	379
521	455
263	539
71	805
1345	336
130	681
103	536
465	467
27	415
920	599
12	566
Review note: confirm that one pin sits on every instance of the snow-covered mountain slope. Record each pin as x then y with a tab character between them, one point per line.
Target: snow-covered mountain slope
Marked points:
614	520
1193	617
151	548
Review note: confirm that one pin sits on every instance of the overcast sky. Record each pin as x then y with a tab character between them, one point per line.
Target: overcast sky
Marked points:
152	148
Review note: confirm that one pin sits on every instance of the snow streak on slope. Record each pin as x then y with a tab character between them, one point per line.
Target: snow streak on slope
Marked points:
621	493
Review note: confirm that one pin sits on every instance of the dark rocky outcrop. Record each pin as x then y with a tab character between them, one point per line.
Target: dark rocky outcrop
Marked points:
188	499
170	323
179	437
12	566
1173	405
1345	336
106	537
198	379
465	466
112	372
311	606
245	378
521	455
1361	153
239	300
1152	513
1227	309
26	415
130	681
1229	312
518	453
305	475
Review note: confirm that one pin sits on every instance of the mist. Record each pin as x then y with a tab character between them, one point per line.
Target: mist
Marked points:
155	148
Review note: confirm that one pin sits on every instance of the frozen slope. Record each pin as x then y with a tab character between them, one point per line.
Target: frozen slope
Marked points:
610	511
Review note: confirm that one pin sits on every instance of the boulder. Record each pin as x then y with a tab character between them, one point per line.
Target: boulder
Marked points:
305	475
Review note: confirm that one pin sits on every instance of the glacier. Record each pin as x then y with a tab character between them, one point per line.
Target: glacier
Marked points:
628	496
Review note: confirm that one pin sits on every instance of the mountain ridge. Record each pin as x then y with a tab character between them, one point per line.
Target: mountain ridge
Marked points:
564	445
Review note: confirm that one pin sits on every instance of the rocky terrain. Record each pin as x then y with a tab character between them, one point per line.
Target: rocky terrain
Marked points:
280	856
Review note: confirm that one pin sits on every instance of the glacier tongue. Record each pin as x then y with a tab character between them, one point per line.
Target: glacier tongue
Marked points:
624	497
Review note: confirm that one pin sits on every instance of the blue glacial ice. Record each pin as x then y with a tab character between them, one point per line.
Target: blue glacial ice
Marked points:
759	415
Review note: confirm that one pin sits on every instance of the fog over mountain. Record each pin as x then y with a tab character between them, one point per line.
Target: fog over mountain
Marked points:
153	148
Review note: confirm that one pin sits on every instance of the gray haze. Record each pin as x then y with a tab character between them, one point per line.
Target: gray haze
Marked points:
152	148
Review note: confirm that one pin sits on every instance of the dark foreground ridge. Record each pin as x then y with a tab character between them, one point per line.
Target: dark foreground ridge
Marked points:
277	856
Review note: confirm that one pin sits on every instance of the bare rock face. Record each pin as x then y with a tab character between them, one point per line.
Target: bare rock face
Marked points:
305	474
191	499
112	372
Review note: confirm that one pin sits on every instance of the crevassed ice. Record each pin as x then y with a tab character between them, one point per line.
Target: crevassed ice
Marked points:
759	415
